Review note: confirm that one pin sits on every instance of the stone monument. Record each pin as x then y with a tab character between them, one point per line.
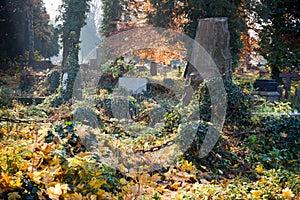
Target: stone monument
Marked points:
213	35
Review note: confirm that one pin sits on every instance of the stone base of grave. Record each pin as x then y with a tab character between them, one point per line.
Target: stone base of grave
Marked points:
30	100
268	95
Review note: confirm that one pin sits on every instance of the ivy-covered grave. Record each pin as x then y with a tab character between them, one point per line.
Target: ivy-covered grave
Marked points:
80	152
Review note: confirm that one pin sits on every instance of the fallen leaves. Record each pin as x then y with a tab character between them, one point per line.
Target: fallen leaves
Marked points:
287	193
57	191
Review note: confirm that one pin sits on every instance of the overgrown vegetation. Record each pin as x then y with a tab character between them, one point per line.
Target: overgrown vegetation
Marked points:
113	144
253	160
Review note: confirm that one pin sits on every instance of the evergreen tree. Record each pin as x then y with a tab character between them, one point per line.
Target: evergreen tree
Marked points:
113	12
24	26
279	25
45	35
73	15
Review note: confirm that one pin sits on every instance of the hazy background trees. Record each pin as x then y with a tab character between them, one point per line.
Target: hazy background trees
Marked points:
279	26
15	22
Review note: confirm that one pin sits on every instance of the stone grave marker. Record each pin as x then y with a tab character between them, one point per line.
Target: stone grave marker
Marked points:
133	85
93	62
153	69
213	35
267	89
53	81
27	80
141	68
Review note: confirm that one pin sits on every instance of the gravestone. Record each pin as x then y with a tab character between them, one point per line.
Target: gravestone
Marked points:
42	65
156	115
84	66
153	69
213	35
141	68
137	60
53	81
27	80
267	89
169	82
133	85
265	85
99	57
93	62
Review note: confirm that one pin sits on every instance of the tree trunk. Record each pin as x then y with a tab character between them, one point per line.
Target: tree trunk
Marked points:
29	15
275	74
70	64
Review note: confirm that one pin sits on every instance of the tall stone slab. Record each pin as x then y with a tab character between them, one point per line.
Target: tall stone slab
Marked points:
213	35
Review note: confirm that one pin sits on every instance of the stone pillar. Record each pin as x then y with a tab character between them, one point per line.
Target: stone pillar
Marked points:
99	57
213	35
153	69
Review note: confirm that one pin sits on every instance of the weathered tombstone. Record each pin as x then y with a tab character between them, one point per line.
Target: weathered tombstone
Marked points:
137	60
267	89
84	66
169	82
120	108
99	57
153	69
53	81
42	65
141	68
93	62
156	115
133	85
213	35
86	116
26	80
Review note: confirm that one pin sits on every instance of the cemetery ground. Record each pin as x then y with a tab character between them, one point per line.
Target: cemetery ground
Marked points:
48	154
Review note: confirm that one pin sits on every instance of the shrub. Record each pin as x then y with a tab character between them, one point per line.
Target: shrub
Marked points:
239	103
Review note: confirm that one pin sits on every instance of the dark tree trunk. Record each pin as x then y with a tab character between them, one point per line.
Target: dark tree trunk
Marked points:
29	15
275	74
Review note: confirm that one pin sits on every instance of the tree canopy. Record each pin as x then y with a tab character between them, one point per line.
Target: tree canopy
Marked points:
14	31
279	25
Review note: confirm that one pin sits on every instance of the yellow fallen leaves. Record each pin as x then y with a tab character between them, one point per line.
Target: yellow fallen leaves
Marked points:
13	196
123	181
256	194
97	183
263	179
3	131
259	168
287	193
57	191
175	185
9	181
